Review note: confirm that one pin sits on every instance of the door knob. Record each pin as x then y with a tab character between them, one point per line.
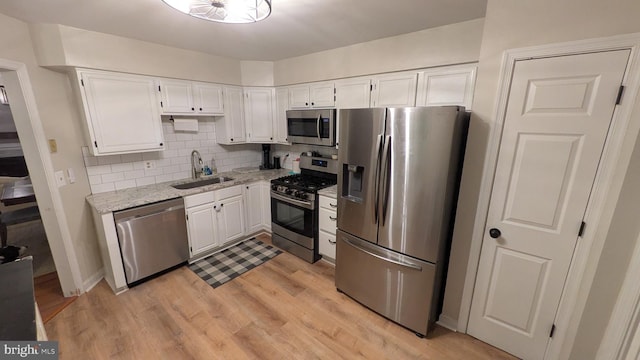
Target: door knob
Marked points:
494	233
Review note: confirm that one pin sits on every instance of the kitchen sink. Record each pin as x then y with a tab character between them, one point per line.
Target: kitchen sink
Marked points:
195	184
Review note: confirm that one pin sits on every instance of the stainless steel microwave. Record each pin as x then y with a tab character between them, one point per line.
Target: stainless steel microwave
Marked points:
313	127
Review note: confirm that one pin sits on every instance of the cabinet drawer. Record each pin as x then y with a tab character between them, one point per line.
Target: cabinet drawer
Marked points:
226	193
327	244
198	199
328	203
327	220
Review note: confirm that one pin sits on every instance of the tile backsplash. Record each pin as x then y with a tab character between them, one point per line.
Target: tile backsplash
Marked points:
116	172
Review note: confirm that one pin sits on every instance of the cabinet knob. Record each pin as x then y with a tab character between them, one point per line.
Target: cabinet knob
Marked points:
161	144
192	109
200	109
221	205
271	138
231	139
306	103
312	104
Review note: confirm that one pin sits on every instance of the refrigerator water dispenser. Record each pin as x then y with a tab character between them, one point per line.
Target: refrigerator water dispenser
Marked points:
353	176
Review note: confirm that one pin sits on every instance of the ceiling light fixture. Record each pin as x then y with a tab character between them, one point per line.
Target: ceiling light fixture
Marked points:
225	11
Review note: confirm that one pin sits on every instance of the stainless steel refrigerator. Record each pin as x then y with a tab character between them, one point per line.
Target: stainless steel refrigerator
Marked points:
397	188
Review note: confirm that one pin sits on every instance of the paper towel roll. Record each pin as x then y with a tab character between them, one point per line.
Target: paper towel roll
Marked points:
296	167
185	124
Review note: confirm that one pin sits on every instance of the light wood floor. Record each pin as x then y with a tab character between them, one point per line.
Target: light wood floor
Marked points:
283	309
49	296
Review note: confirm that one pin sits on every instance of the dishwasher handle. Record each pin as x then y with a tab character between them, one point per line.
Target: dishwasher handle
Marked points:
146	215
148	210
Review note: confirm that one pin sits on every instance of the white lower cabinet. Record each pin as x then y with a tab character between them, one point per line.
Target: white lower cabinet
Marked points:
258	206
214	219
327	224
201	229
230	218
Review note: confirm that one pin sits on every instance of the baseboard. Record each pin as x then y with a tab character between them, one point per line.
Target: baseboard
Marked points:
448	322
93	280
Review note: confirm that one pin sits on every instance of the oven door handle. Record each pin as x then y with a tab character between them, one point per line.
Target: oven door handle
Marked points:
318	125
304	204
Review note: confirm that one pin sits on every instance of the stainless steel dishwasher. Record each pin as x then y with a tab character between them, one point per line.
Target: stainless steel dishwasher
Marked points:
152	238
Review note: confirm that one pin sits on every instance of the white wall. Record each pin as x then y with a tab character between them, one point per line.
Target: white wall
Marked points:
60	46
116	172
512	24
445	45
60	121
256	73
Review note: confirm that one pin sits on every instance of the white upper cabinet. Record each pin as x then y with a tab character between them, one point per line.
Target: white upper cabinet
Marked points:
397	90
181	97
280	117
316	95
353	93
122	112
230	129
208	98
259	109
451	85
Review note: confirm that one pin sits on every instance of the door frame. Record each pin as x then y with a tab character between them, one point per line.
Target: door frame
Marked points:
36	153
606	189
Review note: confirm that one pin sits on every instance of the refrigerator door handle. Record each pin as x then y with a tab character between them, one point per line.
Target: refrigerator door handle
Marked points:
376	196
318	125
386	177
383	256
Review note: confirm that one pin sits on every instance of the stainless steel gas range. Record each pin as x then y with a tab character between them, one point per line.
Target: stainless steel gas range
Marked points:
294	206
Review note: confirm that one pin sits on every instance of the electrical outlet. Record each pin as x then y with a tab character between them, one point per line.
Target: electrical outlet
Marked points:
149	164
60	178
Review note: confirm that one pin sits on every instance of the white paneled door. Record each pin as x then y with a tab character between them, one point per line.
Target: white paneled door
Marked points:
558	114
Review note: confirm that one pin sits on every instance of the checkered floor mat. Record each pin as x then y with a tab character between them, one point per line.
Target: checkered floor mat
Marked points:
219	268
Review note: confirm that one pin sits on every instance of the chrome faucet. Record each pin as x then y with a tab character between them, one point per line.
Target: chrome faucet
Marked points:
196	172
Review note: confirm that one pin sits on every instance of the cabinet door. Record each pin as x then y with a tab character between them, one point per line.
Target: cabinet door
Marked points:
452	85
258	112
322	94
122	113
299	97
230	219
253	206
353	93
208	99
327	245
230	129
266	204
280	117
177	97
394	90
201	227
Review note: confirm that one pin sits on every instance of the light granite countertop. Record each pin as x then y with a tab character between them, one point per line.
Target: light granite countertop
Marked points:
331	191
128	198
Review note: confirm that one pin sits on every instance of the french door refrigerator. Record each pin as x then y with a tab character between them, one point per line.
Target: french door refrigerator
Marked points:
399	171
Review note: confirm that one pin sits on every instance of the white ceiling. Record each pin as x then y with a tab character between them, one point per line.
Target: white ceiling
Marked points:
295	27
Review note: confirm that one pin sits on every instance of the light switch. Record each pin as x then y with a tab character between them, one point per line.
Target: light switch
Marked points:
53	146
60	178
71	175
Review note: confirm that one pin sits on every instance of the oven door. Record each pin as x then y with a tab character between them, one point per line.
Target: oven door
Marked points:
293	216
314	127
